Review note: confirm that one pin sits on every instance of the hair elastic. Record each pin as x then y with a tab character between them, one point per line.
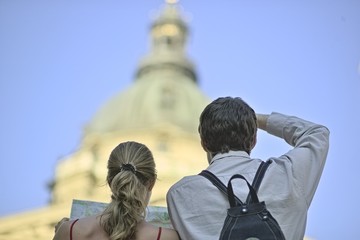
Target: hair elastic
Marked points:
128	167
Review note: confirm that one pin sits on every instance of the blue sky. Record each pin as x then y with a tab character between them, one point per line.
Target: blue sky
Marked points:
61	60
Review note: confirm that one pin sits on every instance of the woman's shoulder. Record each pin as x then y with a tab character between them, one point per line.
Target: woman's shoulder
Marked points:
146	230
83	228
89	228
151	232
169	234
63	231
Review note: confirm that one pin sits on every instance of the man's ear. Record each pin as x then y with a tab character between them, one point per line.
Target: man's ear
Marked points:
203	146
254	141
209	155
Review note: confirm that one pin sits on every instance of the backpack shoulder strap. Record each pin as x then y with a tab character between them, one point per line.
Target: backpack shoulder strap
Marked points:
212	178
258	178
255	184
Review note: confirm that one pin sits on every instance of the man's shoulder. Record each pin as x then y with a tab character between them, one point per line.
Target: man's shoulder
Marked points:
190	181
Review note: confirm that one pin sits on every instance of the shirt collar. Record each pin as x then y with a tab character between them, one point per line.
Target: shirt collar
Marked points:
230	154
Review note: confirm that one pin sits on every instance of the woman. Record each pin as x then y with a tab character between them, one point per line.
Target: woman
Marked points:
131	177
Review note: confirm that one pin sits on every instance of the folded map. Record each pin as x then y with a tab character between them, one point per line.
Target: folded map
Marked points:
154	214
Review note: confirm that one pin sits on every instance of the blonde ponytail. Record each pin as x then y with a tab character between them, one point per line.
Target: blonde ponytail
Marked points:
131	172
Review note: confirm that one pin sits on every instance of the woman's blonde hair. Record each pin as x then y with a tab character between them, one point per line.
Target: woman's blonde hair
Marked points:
131	175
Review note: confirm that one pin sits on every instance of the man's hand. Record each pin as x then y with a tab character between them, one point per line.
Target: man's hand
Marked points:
58	225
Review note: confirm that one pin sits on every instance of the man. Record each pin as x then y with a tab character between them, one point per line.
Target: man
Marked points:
228	128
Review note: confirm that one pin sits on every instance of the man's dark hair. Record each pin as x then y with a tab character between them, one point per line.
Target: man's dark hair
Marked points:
227	124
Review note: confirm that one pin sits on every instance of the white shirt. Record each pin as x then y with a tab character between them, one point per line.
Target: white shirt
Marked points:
198	209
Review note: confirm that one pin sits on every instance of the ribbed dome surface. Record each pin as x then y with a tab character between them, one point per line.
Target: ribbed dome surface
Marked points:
150	102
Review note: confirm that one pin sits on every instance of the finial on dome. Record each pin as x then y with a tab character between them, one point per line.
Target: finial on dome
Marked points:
172	1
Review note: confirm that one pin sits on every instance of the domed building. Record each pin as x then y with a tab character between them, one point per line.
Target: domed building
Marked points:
160	109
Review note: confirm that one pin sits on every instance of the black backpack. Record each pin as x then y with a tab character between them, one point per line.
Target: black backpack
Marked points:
249	220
